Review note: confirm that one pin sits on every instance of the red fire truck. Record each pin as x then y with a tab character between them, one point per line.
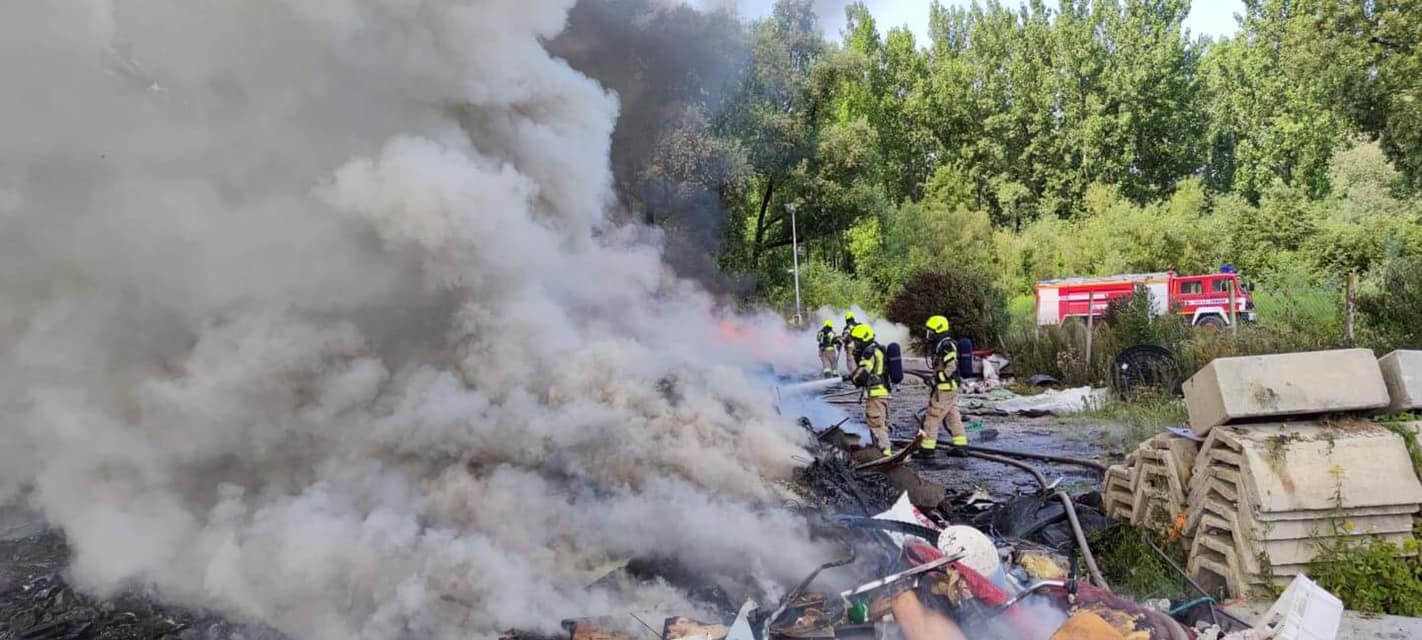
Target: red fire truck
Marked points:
1202	300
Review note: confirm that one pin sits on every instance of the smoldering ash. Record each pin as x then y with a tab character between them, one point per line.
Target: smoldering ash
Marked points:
310	314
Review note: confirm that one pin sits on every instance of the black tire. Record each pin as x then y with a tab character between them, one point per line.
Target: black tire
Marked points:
1146	366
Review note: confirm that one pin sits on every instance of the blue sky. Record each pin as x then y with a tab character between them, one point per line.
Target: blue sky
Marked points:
1207	17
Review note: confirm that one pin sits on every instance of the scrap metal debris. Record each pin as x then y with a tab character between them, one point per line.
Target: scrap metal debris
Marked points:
37	603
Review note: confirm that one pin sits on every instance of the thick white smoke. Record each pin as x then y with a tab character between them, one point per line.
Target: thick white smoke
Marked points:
308	312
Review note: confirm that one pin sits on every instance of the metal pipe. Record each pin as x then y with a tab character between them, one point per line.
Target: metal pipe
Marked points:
795	252
1031	589
1081	540
907	573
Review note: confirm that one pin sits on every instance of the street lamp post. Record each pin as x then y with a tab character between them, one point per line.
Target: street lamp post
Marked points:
795	252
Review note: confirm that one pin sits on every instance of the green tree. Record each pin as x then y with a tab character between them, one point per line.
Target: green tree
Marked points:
1270	119
1370	56
772	113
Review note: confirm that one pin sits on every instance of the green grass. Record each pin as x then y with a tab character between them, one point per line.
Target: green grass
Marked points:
1136	571
1128	422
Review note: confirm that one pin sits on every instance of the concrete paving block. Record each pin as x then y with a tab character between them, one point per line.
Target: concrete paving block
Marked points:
1243	522
1229	485
1155	515
1251	388
1155	507
1253	551
1184	451
1402	372
1324	514
1117	496
1317	467
1215	446
1233	567
1117	475
1225	459
1213	560
1119	506
1302	552
1213	489
1163	474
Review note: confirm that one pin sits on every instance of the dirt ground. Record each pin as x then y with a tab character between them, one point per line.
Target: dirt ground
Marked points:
1069	437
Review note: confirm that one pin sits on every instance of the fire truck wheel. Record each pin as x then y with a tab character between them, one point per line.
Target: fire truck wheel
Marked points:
1210	322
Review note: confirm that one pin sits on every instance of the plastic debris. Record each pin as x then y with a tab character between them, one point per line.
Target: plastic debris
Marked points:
1305	611
904	511
741	629
1055	402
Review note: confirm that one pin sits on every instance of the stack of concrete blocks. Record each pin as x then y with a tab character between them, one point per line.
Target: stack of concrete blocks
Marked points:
1264	498
1150	490
1283	468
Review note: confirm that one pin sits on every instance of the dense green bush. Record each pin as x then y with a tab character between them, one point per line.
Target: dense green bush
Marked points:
1052	350
1370	576
1392	314
970	301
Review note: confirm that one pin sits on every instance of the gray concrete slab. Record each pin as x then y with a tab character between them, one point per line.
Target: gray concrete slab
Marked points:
1230	390
1318	467
1402	372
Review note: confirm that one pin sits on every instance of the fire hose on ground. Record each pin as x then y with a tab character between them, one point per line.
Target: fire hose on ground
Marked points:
1090	464
1067	503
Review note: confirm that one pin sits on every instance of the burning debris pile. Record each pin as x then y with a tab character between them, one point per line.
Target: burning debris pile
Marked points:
37	603
908	570
312	317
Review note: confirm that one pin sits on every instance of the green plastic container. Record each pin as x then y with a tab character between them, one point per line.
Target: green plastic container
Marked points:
859	612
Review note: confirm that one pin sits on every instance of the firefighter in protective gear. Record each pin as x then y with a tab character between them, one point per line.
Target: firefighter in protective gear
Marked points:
845	340
829	349
943	398
872	375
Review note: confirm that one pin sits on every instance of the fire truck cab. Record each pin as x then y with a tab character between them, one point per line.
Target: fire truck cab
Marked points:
1202	300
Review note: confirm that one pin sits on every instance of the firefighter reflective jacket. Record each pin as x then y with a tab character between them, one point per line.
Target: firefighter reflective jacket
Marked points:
871	373
945	364
828	339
